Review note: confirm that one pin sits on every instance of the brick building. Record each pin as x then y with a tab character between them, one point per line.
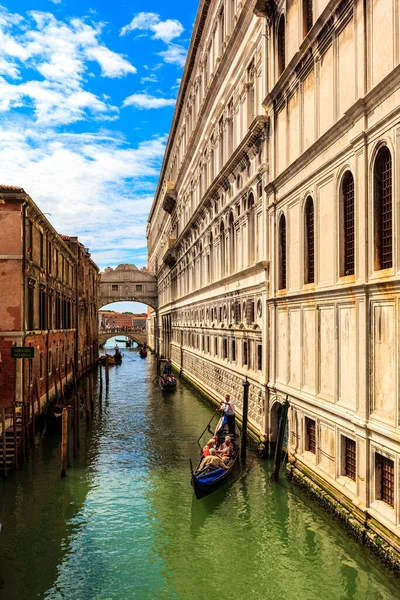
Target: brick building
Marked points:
48	294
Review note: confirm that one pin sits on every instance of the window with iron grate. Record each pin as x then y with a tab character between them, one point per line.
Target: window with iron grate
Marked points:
348	225
309	241
310	435
281	46
383	217
307	15
350	459
384	476
282	253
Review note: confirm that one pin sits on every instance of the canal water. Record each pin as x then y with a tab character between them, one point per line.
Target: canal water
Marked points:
124	523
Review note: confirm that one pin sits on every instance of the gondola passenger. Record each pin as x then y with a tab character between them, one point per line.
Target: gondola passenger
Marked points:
213	461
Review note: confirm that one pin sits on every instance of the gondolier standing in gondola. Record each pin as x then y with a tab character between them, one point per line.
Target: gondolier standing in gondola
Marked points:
228	408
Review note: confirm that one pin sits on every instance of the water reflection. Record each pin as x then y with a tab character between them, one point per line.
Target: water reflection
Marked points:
125	523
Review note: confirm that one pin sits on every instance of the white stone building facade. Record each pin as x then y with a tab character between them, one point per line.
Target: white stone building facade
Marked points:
274	232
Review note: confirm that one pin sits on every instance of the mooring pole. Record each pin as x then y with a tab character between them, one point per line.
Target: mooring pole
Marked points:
246	386
3	423
107	375
100	382
64	442
281	436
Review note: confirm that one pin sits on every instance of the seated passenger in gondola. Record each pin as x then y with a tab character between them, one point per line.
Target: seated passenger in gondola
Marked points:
213	461
210	444
225	451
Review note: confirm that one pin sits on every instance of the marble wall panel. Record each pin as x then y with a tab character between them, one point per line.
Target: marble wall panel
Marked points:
309	349
347	356
326	352
384	375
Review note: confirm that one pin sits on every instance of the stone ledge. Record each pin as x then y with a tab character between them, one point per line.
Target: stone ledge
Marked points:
365	529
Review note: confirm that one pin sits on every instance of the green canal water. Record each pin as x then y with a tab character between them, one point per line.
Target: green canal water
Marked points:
124	523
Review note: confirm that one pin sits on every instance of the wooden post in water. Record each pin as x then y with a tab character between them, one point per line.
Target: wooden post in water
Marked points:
87	403
37	389
69	458
107	375
281	435
64	442
15	437
100	382
23	432
32	399
75	424
246	386
90	376
3	423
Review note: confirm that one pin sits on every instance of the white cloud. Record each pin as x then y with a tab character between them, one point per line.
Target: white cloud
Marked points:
147	101
162	30
60	55
175	54
89	183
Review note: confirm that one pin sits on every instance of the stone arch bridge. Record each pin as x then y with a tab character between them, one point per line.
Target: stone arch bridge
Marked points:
127	283
139	338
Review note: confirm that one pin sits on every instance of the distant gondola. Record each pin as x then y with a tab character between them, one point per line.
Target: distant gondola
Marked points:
206	481
142	352
103	359
118	358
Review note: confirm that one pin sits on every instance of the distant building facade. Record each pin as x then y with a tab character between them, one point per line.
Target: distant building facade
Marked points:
274	233
48	301
117	320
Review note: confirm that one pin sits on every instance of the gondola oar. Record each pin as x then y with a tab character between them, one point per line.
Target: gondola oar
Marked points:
208	425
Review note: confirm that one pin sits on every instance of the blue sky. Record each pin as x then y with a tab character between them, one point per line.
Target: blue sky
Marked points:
87	93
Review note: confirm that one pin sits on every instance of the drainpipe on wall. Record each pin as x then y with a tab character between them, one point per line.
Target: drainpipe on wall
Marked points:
22	363
48	315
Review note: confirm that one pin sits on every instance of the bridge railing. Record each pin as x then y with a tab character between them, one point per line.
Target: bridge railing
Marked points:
122	330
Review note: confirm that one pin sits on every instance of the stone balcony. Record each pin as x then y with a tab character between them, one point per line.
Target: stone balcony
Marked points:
170	253
169	201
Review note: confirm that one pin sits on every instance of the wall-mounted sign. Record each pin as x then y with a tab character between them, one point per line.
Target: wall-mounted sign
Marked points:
22	351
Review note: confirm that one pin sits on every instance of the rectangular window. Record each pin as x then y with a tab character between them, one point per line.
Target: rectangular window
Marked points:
245	357
41	250
50	362
114	287
224	348
350	459
259	357
216	347
42	310
310	435
384	474
31	308
139	288
233	351
208	344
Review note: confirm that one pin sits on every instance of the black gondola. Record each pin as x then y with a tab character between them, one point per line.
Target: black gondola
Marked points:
142	352
168	383
207	480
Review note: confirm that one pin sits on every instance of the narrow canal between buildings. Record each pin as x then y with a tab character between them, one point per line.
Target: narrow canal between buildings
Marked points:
124	523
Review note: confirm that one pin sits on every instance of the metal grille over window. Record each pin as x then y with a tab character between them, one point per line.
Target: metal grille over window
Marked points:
282	253
250	311
350	465
310	435
383	209
307	15
309	241
348	223
281	45
386	468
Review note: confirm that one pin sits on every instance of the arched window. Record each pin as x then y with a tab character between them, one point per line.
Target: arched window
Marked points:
251	229
282	253
281	46
211	259
232	244
383	224
309	240
307	16
222	249
347	225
